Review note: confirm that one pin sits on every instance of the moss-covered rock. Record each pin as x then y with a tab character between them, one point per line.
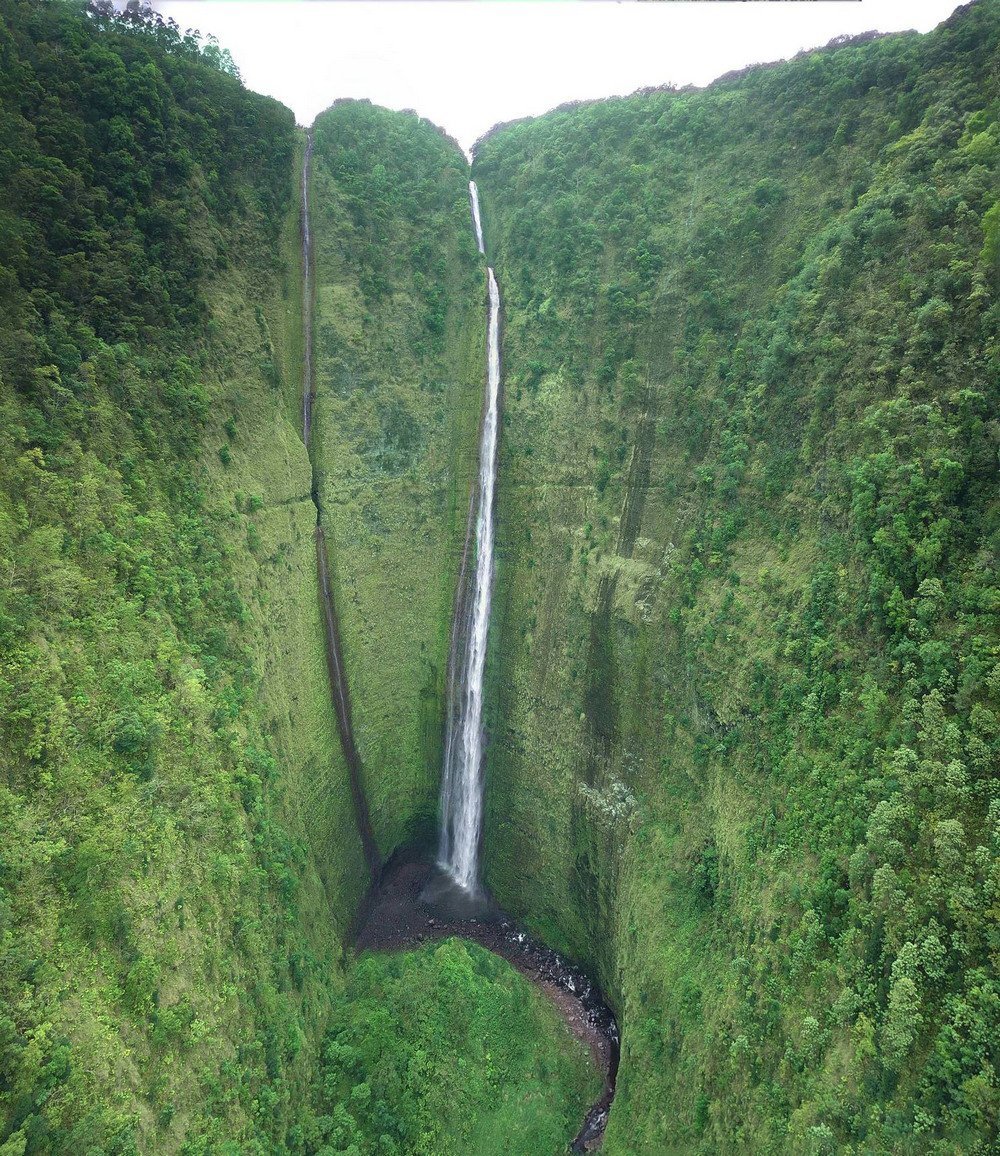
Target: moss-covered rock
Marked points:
400	366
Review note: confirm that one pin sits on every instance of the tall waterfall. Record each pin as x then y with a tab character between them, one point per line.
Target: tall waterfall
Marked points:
308	395
462	780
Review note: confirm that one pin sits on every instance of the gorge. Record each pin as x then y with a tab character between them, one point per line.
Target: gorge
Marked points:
406	902
462	779
736	678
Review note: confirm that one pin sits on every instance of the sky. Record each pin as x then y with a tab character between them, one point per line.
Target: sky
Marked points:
469	64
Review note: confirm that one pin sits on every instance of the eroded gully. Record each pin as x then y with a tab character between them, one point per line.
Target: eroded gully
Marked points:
339	692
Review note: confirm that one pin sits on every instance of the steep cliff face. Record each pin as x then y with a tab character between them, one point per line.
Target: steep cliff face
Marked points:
179	863
745	670
179	857
399	379
745	661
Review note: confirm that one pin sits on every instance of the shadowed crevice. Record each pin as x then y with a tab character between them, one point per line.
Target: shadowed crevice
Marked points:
339	691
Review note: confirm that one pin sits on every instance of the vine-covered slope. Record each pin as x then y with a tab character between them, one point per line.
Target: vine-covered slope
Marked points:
745	664
400	360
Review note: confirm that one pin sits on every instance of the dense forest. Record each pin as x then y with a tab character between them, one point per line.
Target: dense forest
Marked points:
744	670
745	657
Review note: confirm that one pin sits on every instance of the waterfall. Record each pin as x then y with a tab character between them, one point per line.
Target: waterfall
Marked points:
308	395
462	778
476	220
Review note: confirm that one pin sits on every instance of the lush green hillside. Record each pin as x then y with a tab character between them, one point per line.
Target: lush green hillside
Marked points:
400	365
449	1052
745	663
171	917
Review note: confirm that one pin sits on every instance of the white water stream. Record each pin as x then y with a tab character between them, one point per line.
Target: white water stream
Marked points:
462	779
476	219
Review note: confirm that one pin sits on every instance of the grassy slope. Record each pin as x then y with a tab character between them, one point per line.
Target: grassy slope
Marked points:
739	325
399	361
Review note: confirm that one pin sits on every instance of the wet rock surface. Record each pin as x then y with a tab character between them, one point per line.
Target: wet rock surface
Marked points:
414	903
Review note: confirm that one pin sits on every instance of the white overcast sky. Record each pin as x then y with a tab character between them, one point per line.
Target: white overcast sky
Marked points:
467	64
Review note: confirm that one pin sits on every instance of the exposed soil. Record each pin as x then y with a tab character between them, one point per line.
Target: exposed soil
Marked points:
414	903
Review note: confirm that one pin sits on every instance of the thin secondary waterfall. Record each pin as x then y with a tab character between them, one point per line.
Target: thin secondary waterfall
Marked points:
462	779
308	385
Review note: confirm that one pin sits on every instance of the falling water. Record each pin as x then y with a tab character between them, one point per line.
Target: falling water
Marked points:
455	891
474	198
462	781
308	395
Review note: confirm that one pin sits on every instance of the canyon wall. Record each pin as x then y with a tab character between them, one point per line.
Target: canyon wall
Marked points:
400	375
744	667
744	658
180	864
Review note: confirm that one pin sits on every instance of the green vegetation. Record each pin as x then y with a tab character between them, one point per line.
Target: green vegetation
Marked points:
746	667
447	1051
745	664
400	365
170	915
179	864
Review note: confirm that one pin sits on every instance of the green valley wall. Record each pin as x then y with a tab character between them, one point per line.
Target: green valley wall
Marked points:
744	661
179	864
745	669
400	369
